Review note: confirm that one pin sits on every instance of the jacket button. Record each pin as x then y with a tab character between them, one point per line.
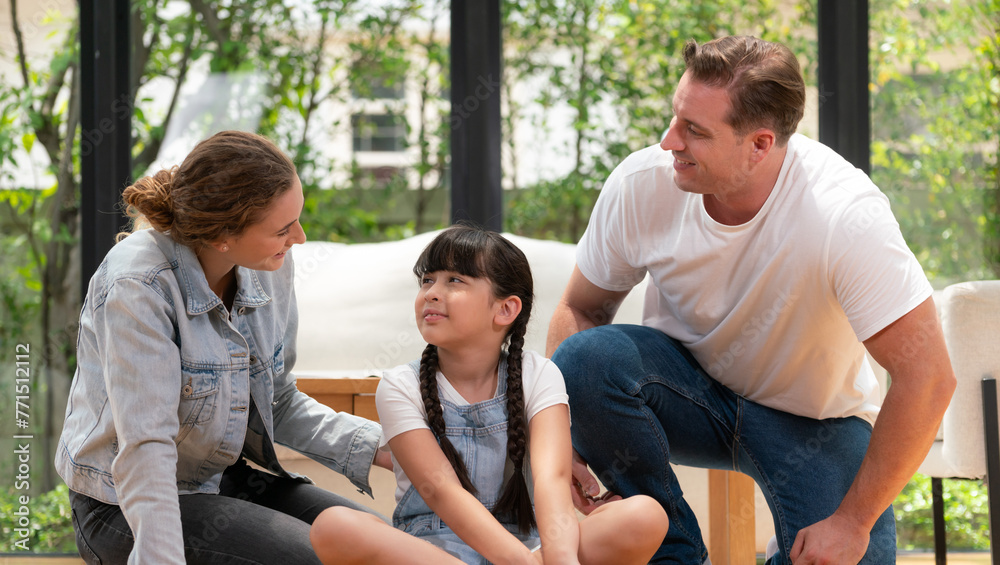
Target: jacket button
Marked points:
187	390
253	359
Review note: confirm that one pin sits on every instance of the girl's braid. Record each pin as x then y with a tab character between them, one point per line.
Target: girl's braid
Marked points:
435	415
515	498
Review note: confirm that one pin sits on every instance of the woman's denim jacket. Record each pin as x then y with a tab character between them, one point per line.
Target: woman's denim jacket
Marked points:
161	401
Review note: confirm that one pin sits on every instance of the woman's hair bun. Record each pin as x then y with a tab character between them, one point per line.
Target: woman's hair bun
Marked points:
223	186
150	199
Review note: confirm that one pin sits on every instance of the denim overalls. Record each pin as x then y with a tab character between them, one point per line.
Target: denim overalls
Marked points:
479	433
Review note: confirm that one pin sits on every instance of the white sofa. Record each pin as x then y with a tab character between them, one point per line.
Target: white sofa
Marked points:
356	318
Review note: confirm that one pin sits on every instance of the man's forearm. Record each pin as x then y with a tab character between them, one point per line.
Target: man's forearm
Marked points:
583	306
922	384
565	322
901	438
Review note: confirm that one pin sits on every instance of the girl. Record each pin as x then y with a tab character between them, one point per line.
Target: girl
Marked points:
183	374
458	423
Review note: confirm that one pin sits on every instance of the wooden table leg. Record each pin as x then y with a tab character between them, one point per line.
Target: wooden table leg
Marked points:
731	518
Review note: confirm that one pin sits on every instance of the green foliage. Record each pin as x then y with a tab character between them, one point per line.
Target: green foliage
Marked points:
19	288
966	515
348	214
936	130
51	527
552	210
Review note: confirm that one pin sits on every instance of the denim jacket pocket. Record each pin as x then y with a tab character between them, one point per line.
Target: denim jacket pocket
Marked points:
267	372
278	362
197	398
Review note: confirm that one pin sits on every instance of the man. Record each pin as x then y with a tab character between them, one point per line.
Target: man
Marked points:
774	264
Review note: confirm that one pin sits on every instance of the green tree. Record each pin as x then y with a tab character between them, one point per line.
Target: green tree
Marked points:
614	63
966	515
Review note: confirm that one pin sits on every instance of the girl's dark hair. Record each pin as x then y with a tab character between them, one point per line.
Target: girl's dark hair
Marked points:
222	187
479	253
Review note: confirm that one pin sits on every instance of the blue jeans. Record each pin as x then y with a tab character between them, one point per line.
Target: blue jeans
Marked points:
640	401
257	518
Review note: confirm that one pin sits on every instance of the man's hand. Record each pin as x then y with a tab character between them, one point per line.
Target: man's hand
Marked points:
834	541
585	488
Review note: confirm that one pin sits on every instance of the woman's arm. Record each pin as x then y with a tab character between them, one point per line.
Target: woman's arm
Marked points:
421	458
343	442
134	335
551	460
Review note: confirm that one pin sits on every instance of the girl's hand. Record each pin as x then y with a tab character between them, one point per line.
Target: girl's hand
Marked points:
585	488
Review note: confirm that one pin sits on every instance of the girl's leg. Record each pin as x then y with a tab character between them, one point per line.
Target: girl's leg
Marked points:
344	536
625	531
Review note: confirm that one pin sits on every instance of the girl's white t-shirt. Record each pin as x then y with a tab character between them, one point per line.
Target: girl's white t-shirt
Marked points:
775	308
401	408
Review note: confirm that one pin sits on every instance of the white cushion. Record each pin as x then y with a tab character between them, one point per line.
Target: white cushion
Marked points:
356	301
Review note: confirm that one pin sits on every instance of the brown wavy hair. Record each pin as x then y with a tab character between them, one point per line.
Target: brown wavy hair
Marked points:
763	79
479	253
222	187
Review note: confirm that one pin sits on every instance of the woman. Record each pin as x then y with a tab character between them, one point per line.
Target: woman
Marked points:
186	344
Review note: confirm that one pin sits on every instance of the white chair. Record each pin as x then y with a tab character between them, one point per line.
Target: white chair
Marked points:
968	446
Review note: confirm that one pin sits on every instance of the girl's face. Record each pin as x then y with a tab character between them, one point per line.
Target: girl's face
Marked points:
454	309
263	245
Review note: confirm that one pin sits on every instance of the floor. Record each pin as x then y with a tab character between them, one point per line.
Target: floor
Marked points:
980	558
902	559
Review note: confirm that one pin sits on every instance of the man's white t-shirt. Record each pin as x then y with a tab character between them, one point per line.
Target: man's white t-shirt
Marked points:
775	308
401	408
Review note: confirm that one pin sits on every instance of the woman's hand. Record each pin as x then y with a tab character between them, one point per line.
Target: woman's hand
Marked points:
383	459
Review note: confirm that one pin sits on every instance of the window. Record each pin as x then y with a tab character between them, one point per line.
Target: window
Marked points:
378	132
380	177
378	89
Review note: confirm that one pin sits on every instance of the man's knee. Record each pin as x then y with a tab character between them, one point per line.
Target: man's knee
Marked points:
593	350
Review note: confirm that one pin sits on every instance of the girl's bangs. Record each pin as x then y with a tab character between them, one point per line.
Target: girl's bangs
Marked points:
457	252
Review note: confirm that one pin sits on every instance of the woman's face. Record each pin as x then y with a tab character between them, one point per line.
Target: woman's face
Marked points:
263	245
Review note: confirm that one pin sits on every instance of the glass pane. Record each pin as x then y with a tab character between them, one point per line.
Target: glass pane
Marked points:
935	131
288	70
586	83
340	86
378	132
39	258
